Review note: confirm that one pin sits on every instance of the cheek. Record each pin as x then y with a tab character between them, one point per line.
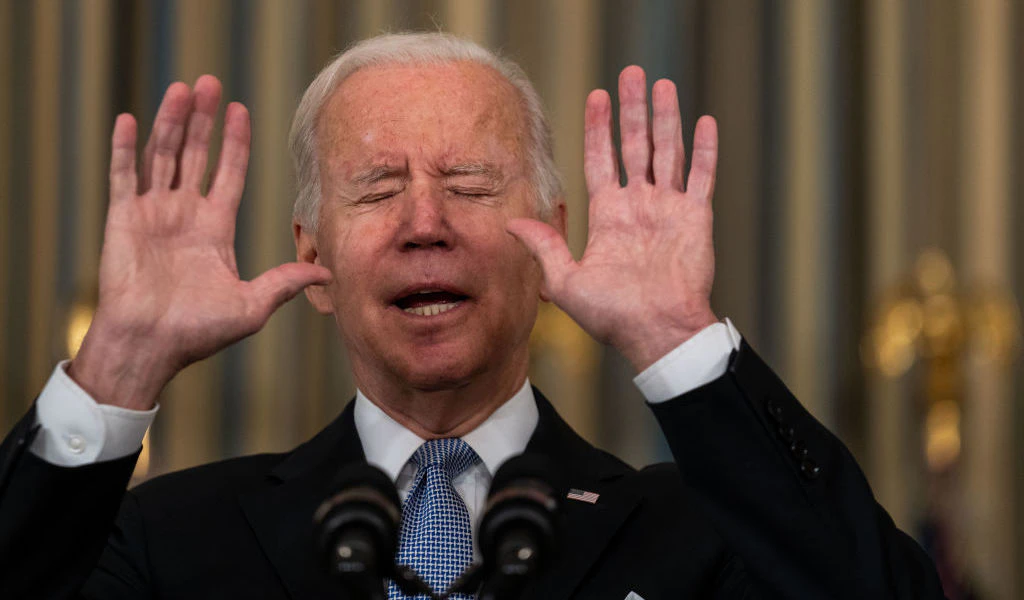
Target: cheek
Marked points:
521	273
349	256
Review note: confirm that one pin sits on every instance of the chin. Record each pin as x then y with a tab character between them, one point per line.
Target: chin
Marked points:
433	371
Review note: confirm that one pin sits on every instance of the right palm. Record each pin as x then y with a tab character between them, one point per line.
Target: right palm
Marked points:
169	282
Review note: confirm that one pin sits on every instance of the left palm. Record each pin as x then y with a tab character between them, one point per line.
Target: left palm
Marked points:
644	282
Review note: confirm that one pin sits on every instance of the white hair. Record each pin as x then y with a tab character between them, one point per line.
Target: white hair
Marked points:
415	48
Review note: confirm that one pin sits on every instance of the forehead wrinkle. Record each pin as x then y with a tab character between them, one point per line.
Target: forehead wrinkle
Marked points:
499	118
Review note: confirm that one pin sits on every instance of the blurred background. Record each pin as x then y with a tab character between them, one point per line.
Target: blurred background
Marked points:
867	219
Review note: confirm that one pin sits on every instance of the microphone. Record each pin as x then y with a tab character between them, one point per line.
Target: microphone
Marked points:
357	534
517	532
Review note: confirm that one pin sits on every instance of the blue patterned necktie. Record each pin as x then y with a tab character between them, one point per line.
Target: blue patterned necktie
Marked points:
435	537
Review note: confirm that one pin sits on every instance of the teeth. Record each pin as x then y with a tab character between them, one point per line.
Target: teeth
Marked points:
429	310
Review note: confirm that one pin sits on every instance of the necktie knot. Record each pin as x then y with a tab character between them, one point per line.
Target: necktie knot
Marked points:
435	538
450	454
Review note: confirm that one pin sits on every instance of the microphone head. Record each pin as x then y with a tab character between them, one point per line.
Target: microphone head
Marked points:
521	515
363	510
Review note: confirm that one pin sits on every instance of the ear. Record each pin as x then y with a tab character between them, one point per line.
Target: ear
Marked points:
306	251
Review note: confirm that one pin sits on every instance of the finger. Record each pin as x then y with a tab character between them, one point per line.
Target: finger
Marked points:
701	183
633	124
122	159
229	176
600	165
548	248
206	98
159	159
667	131
279	285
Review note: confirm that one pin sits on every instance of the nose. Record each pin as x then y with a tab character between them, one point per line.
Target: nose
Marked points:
425	220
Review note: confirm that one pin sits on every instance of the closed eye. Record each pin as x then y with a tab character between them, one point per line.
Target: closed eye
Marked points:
471	192
379	196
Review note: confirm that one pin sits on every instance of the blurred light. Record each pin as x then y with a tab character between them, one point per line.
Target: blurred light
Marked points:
891	346
79	319
142	466
995	325
942	435
943	325
905	320
894	354
934	272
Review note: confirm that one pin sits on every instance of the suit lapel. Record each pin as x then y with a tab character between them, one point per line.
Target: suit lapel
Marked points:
281	514
586	528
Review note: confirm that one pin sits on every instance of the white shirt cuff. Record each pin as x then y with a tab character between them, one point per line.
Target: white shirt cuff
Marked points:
76	430
696	362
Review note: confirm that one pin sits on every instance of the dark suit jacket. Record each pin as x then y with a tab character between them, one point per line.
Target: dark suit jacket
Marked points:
765	503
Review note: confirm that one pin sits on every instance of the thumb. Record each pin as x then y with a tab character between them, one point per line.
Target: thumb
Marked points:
549	249
282	283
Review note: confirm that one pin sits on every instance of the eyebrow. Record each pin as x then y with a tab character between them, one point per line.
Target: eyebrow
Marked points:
487	170
376	174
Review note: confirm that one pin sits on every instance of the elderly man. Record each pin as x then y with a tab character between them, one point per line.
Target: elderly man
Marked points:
429	221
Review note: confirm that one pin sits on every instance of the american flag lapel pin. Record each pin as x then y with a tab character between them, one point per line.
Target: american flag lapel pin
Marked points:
582	495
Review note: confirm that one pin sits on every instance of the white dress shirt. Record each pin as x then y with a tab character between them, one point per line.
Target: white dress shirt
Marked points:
389	445
76	430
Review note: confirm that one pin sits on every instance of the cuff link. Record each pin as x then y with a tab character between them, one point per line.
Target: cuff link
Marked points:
76	444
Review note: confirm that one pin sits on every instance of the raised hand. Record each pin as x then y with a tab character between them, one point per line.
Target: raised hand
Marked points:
169	289
644	282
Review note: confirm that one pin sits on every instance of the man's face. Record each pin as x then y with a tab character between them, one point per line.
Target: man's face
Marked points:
421	166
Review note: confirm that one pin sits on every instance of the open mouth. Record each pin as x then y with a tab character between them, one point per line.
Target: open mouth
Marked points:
428	303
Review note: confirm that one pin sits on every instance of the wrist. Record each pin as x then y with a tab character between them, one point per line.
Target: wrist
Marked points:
654	339
119	370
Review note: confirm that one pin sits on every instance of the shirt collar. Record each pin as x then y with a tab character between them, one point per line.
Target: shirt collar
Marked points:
389	446
507	431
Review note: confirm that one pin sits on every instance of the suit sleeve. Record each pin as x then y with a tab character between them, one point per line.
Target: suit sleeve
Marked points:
786	494
54	521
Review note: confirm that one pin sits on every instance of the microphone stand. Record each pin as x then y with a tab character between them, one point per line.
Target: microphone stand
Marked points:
409	581
355	570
